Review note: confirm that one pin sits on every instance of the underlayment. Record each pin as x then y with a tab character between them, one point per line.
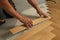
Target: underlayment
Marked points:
22	5
10	23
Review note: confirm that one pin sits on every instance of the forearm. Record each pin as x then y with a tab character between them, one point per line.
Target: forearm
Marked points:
10	10
34	4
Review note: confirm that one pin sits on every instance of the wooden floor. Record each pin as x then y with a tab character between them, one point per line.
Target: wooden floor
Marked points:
41	30
55	14
42	26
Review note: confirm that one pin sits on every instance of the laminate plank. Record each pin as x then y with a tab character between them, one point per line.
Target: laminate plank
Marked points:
20	28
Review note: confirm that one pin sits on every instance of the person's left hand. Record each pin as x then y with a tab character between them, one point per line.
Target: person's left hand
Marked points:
41	14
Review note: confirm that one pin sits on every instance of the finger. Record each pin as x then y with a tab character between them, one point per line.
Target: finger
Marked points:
31	22
27	26
30	25
42	16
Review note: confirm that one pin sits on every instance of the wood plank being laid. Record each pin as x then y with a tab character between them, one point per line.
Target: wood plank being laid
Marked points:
20	28
34	30
39	34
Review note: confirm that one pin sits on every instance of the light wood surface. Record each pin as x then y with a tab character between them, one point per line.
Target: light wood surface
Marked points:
48	29
42	34
20	28
34	30
47	36
55	14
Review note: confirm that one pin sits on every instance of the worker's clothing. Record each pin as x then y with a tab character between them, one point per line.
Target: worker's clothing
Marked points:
3	14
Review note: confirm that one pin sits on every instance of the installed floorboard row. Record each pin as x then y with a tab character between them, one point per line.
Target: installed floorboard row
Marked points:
38	35
34	30
55	13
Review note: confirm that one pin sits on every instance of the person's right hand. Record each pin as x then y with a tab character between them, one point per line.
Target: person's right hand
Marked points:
27	22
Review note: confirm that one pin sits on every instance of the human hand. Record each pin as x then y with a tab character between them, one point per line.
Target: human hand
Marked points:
27	22
41	13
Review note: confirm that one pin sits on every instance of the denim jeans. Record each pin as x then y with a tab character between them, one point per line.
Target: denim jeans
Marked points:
4	14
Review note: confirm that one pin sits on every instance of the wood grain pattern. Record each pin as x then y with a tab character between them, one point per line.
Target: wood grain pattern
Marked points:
42	34
47	36
34	30
55	13
20	28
